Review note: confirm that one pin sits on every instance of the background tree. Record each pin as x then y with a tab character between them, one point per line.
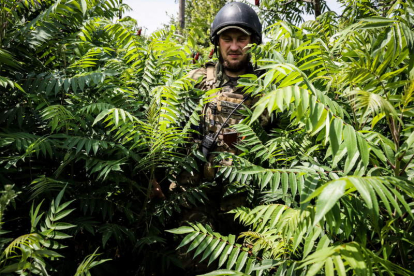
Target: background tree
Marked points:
291	11
198	19
201	14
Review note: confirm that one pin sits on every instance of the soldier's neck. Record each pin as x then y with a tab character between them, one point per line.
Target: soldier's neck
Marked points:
234	74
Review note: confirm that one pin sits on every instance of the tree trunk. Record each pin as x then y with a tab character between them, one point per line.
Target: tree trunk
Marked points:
317	7
120	12
181	14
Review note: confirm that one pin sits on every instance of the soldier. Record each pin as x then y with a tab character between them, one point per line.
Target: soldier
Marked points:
235	26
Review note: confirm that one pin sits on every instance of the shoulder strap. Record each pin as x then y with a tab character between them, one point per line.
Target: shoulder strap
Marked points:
210	75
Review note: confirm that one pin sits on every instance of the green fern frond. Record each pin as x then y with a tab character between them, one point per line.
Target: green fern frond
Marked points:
95	108
350	256
185	197
58	115
88	263
80	144
317	118
371	104
124	125
267	241
45	184
254	140
225	272
279	221
6	82
373	191
408	95
6	58
117	231
104	167
29	143
27	240
213	245
299	179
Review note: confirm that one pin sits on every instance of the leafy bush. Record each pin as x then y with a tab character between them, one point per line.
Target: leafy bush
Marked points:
330	187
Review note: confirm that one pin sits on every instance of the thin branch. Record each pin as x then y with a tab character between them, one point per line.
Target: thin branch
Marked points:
406	165
389	163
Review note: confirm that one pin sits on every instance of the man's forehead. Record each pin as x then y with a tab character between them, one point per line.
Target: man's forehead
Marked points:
233	32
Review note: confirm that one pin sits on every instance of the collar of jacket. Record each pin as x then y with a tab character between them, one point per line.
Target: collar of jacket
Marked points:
222	78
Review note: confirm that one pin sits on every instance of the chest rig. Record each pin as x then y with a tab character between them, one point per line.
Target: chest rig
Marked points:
222	112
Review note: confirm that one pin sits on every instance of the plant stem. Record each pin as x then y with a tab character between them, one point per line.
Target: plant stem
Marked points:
406	165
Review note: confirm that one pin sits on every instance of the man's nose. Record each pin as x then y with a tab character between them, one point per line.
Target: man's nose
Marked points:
234	46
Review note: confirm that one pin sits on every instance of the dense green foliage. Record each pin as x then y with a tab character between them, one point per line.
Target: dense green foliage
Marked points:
89	105
95	121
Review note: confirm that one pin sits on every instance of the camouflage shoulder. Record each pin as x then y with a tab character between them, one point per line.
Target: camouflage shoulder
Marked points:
200	72
200	75
197	73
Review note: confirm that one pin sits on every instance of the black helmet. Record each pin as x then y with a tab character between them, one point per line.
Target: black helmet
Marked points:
240	15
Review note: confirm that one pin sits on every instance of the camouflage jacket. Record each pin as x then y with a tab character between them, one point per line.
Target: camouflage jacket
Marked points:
221	112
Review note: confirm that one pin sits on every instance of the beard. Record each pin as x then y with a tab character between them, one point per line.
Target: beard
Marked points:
235	66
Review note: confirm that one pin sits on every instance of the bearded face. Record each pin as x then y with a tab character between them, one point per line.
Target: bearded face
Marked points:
233	54
236	66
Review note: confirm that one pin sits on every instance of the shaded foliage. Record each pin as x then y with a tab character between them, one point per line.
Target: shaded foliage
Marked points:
331	185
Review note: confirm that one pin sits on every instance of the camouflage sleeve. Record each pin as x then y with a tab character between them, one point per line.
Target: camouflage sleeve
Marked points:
200	76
